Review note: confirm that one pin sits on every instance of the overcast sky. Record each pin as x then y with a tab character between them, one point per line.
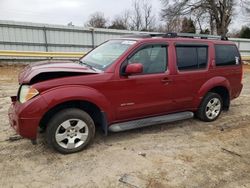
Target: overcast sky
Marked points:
76	11
63	11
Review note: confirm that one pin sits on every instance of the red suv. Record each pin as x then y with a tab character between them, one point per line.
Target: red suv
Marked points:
126	83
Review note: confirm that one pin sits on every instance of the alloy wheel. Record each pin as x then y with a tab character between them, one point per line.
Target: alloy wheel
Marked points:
213	108
72	133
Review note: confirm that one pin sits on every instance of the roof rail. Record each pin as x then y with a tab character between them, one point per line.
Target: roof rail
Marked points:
192	35
175	35
144	35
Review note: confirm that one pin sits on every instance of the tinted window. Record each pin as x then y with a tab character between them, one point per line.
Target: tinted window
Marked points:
191	58
226	55
153	58
202	57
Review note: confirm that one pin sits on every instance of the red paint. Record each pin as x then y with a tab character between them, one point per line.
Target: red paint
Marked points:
34	69
134	68
124	97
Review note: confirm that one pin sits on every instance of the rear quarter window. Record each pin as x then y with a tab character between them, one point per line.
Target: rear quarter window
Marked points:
226	55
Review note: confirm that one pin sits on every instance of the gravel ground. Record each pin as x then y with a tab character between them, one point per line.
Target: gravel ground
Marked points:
183	154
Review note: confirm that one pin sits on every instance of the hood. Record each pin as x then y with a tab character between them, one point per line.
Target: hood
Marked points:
48	69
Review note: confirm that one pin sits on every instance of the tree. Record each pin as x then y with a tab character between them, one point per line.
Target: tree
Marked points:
97	20
245	4
220	11
245	32
118	23
125	16
188	26
203	22
142	18
136	18
206	31
161	28
173	24
234	33
121	21
148	17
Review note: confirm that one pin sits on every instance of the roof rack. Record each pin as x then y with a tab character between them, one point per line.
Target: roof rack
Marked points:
192	35
144	35
175	35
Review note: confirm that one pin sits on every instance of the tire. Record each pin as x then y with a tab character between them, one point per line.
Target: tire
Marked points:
70	131
210	107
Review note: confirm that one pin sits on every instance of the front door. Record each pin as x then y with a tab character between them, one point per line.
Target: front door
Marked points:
148	93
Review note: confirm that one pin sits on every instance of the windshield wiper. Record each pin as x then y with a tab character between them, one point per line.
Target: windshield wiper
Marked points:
88	65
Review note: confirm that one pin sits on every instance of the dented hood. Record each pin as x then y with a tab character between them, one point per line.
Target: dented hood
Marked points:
35	69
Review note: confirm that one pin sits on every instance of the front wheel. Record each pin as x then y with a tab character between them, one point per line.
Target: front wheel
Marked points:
70	131
210	108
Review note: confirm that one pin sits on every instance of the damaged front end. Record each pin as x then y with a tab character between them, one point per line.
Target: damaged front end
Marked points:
49	70
28	107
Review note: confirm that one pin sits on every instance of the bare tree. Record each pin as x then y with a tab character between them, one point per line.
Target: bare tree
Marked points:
142	15
219	11
136	18
161	28
97	20
188	25
125	16
245	6
118	23
148	17
202	21
173	24
121	21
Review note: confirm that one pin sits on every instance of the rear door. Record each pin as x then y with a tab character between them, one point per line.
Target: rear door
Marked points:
191	72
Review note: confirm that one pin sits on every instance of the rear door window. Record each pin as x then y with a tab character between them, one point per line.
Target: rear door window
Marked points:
226	55
191	57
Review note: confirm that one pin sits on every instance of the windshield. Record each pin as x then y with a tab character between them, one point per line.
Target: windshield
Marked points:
107	53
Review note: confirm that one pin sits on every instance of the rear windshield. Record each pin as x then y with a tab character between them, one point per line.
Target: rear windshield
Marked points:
227	55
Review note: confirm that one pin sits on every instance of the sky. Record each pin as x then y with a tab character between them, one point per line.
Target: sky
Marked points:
76	11
63	11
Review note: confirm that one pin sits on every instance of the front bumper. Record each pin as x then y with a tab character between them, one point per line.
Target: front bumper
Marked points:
25	118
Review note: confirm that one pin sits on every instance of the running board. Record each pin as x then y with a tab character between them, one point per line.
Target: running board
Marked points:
150	121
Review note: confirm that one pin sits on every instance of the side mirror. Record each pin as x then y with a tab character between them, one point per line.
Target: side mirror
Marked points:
134	68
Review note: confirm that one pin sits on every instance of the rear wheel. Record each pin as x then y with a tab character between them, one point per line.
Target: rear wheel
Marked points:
70	131
210	108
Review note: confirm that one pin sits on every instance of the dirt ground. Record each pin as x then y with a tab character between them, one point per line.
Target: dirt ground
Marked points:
183	154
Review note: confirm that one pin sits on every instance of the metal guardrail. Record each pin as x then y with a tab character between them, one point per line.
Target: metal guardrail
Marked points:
37	54
246	58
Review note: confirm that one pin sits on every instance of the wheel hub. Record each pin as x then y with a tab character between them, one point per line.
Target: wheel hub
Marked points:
71	133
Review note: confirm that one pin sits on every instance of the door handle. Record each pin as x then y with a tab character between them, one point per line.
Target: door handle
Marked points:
166	80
